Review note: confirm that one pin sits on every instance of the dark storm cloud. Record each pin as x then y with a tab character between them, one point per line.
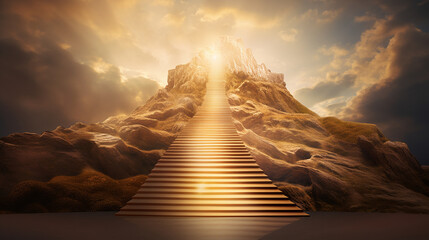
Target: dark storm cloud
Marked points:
326	90
391	63
90	28
413	11
40	90
399	103
43	84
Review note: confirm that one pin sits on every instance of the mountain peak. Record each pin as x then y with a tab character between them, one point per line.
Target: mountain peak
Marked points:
236	58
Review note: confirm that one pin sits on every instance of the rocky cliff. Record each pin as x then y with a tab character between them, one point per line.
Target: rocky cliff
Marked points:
322	163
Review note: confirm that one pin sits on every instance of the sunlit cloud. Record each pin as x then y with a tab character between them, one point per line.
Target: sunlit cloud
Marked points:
240	18
174	19
330	106
100	66
338	55
65	46
319	16
288	35
365	18
166	3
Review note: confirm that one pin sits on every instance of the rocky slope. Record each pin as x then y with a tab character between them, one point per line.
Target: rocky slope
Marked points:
324	163
321	163
108	160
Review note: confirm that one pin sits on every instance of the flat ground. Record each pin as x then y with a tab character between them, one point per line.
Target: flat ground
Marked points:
321	225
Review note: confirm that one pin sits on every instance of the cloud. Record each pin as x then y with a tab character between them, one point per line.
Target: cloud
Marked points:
288	35
368	61
383	78
338	56
365	18
166	3
337	86
41	90
89	29
399	102
61	61
326	16
390	69
239	17
331	106
174	19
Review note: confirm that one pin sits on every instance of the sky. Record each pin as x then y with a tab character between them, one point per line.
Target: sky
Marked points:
85	60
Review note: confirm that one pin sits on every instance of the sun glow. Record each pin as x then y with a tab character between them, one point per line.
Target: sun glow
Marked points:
214	56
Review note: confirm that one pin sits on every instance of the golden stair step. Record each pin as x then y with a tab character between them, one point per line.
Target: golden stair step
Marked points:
211	202
205	160
206	170
196	190
215	180
211	208
208	186
208	175
212	214
229	196
207	165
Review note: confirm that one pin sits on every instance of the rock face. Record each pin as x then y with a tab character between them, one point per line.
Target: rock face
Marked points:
320	163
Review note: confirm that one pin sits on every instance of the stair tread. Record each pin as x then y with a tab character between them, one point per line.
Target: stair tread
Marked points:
210	208
210	202
209	175
207	165
199	180
206	170
212	214
229	196
209	185
219	160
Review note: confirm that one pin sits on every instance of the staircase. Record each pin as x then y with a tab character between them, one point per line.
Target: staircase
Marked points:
207	171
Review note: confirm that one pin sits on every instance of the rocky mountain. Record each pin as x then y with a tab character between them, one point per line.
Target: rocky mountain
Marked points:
322	163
